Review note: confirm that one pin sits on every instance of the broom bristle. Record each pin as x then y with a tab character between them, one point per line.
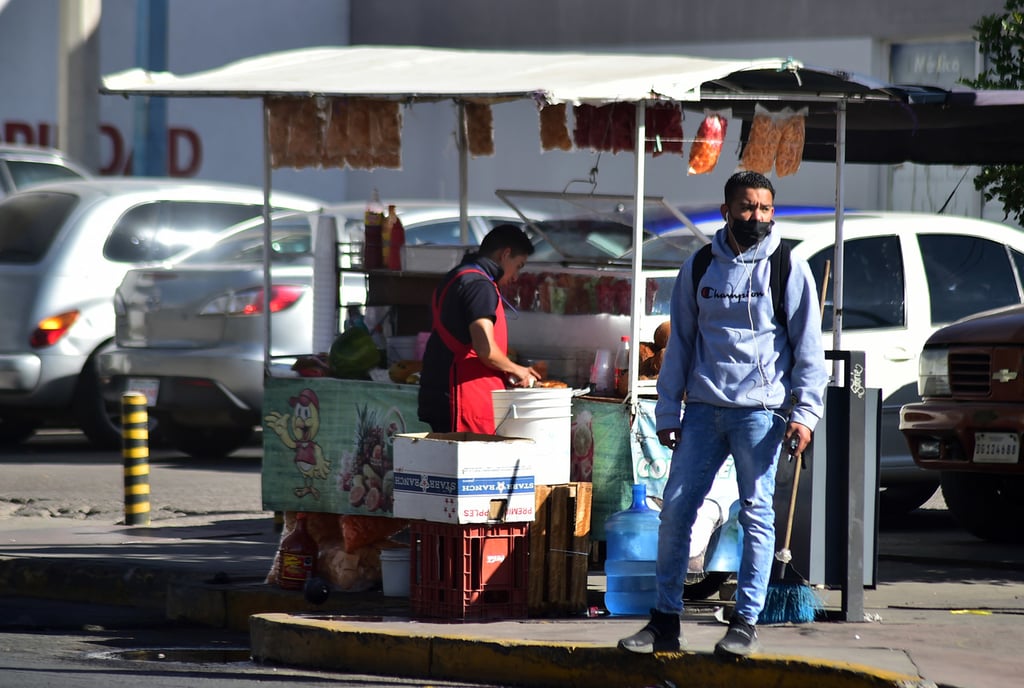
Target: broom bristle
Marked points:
790	603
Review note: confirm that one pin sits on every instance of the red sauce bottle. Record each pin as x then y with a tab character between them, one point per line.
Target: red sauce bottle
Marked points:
297	556
373	248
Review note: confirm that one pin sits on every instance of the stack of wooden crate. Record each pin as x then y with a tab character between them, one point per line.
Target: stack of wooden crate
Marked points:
559	550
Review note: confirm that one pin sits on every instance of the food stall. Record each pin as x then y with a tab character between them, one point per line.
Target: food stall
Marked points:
342	106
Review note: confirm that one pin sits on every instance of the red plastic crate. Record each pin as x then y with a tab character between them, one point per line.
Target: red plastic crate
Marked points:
469	571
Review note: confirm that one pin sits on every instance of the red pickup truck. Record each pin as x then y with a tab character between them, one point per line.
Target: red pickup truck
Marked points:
969	423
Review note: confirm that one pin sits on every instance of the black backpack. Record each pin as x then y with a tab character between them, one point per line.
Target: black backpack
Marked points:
779	265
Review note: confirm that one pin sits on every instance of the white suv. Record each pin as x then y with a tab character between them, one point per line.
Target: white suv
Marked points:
905	275
64	248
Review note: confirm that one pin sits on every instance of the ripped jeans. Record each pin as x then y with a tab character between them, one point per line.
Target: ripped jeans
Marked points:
709	434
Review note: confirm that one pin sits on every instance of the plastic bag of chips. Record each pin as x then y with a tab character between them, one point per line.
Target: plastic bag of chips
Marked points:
762	142
791	142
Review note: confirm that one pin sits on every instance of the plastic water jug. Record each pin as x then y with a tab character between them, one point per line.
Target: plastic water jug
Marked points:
632	553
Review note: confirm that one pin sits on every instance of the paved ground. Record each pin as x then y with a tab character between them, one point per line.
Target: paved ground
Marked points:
950	621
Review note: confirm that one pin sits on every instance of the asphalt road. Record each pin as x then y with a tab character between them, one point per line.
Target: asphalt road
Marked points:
59	475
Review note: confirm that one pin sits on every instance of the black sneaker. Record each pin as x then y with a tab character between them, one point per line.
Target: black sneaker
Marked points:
661	634
739	641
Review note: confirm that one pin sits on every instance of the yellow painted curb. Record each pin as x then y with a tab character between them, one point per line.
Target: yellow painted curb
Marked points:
330	643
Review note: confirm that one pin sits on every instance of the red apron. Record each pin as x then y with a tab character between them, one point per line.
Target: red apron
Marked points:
470	381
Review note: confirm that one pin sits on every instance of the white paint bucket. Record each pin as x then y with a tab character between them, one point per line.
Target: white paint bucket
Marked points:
545	416
394	571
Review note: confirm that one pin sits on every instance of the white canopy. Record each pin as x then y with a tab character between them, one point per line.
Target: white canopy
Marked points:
431	73
409	74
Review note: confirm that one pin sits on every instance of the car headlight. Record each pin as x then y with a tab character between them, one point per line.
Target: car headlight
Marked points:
933	373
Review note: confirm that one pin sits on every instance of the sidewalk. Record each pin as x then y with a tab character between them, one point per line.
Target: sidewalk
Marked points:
954	625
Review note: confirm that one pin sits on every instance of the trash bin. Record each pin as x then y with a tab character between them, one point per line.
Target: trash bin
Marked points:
835	526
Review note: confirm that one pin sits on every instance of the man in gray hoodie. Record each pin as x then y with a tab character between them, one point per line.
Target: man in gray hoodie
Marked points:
752	385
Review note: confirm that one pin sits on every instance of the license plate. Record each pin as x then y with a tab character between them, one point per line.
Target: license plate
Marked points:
996	447
148	387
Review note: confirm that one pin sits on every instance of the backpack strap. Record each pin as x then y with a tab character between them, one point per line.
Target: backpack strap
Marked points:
779	277
779	269
701	261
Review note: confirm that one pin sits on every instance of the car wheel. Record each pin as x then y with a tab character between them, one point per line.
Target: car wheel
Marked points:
205	442
899	500
988	506
700	586
99	423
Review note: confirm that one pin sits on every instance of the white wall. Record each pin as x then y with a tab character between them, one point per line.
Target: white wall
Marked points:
205	34
201	35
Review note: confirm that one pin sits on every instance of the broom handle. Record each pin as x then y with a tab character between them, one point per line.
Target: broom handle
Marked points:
792	510
824	287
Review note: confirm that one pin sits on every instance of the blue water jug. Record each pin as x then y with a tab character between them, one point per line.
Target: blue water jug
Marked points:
632	553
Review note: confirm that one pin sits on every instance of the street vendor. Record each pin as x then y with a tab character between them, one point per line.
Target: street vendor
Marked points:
466	356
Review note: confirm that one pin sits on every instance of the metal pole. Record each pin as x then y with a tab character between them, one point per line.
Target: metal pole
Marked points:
149	157
462	143
639	285
266	239
135	452
837	267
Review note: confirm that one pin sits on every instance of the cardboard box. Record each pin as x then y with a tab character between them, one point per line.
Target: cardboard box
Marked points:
432	258
463	477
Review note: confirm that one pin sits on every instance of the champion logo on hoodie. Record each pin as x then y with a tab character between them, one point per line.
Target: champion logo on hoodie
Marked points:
712	293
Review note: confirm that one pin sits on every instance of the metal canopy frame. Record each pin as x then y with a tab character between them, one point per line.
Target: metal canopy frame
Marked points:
892	123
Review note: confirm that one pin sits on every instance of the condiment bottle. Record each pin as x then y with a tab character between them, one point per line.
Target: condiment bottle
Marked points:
296	556
373	248
395	233
622	364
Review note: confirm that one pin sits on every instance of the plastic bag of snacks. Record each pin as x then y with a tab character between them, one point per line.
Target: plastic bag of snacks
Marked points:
791	142
707	146
762	142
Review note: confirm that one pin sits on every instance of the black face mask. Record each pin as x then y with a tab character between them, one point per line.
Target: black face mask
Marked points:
749	232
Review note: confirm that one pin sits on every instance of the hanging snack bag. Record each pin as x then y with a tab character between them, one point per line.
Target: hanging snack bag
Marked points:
791	143
708	145
762	143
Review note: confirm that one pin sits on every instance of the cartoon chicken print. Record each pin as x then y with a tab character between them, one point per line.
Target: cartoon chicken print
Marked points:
298	431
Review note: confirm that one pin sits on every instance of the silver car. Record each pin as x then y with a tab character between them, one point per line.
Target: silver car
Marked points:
191	335
25	166
64	248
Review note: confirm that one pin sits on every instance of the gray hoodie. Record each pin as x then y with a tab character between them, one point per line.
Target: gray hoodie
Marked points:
730	351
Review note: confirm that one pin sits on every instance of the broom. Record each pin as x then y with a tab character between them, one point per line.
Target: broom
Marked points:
792	602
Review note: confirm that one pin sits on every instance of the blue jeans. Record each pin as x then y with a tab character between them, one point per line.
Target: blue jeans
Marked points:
709	434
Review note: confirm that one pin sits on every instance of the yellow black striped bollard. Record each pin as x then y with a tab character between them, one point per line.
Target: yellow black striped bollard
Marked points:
135	450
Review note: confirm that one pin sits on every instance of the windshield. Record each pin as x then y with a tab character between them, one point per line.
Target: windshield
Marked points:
290	240
29	222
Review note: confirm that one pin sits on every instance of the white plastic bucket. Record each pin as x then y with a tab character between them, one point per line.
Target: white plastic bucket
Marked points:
401	349
544	416
394	571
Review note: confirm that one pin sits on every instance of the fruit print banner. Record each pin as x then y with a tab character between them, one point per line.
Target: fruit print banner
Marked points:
327	447
327	443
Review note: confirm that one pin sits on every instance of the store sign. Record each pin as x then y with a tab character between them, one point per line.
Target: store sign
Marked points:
933	64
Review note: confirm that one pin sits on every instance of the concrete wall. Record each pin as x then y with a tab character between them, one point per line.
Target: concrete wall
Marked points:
551	24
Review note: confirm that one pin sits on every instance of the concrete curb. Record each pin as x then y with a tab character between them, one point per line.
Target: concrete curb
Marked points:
333	644
82	581
230	606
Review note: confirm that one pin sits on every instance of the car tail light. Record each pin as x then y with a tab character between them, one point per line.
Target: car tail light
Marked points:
251	301
49	330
